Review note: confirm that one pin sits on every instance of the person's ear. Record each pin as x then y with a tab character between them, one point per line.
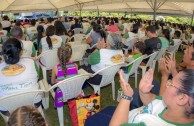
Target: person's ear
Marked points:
183	99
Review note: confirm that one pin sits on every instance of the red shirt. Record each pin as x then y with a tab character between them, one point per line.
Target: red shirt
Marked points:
113	28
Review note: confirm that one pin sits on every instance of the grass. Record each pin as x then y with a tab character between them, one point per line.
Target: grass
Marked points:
106	98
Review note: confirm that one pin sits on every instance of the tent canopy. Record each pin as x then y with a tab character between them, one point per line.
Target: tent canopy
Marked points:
181	7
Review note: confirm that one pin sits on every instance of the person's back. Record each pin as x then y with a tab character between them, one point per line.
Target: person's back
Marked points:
113	28
65	68
153	43
51	41
17	74
28	47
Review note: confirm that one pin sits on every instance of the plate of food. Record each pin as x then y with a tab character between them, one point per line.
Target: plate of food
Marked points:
54	40
117	59
13	70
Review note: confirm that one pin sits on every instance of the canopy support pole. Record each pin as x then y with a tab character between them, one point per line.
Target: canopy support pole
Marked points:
125	14
155	5
98	12
131	13
80	6
154	17
192	18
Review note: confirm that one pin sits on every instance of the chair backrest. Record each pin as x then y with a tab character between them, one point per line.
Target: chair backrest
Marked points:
151	58
31	35
16	100
135	65
49	58
71	87
78	52
65	38
174	48
77	30
78	37
161	53
108	73
4	38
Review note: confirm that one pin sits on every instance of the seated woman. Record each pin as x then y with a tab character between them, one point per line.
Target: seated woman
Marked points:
97	33
26	116
17	74
66	68
175	108
109	53
113	28
60	29
165	38
51	41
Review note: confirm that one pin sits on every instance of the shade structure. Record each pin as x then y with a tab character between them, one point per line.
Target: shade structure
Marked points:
181	7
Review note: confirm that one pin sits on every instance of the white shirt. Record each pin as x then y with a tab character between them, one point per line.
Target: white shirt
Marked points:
3	33
56	45
106	56
26	80
6	24
27	48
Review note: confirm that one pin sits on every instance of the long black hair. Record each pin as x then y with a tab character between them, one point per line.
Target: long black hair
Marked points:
11	50
40	30
50	31
97	28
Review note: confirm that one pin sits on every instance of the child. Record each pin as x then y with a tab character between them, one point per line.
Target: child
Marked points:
139	49
65	69
176	39
26	116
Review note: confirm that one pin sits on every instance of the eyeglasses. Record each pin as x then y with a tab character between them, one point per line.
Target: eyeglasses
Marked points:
170	84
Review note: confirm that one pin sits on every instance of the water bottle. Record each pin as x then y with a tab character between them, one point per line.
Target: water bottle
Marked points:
119	93
59	98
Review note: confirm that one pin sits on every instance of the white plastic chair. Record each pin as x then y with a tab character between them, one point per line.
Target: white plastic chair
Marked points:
65	38
77	30
108	73
160	54
71	88
13	101
78	52
50	60
78	37
134	68
130	45
149	63
173	49
4	38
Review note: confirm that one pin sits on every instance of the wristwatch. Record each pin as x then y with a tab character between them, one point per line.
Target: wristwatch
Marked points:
126	97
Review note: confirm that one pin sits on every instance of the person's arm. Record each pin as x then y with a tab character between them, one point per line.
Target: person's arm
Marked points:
145	87
165	68
33	51
89	40
121	113
53	75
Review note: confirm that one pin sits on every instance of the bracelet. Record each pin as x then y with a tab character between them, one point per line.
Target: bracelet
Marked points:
126	97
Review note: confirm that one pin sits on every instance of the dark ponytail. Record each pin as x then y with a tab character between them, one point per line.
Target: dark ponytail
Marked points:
97	28
50	31
40	30
11	51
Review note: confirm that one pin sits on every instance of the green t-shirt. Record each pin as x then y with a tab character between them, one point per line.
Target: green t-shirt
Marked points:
94	58
134	57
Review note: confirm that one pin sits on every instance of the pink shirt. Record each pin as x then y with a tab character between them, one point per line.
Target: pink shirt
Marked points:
113	28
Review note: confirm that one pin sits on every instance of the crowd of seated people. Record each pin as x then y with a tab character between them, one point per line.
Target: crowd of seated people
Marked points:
108	37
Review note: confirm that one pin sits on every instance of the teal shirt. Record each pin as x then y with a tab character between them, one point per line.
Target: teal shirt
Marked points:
165	42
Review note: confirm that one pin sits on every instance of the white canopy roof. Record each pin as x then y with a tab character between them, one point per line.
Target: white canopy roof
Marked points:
182	7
